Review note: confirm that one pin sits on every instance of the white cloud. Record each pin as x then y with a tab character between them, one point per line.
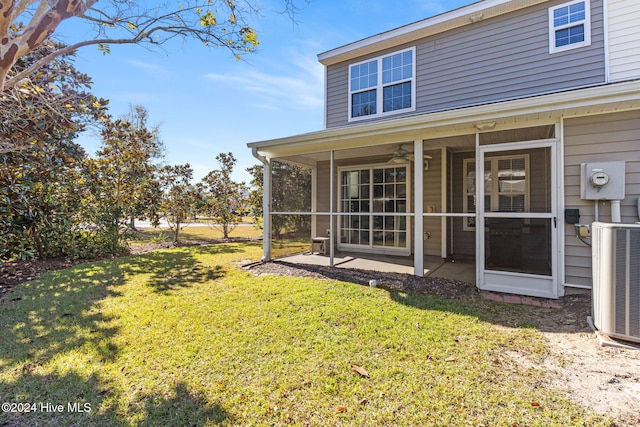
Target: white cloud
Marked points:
302	85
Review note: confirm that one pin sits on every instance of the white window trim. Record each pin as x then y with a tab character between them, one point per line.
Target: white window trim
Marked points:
586	23
371	248
494	191
379	87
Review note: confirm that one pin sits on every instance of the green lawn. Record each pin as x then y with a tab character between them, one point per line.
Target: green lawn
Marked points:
280	246
195	233
185	338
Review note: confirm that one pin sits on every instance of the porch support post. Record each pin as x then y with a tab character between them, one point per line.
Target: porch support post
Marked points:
266	211
418	208
444	161
266	204
331	209
479	215
314	200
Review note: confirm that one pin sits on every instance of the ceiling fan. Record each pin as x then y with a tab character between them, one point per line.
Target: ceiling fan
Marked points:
400	155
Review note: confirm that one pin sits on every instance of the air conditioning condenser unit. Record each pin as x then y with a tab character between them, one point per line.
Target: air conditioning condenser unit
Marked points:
616	280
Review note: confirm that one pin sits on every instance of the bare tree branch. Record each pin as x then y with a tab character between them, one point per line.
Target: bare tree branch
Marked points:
19	77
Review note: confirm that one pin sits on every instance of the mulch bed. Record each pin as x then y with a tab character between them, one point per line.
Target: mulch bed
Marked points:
15	272
398	281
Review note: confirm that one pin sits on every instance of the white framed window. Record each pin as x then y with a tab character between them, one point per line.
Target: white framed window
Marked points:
506	186
569	26
372	194
383	85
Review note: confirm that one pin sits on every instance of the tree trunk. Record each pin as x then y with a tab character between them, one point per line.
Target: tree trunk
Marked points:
42	25
177	233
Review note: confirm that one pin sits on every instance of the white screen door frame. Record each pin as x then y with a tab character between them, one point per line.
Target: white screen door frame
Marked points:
490	278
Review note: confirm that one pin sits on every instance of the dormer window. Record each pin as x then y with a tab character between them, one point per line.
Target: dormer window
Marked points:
569	26
382	86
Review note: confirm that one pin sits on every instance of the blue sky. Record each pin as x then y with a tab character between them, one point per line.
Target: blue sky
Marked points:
206	102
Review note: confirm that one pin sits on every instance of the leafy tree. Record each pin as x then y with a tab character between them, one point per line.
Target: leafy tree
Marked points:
218	23
56	97
39	162
144	183
256	191
122	176
226	198
178	196
290	192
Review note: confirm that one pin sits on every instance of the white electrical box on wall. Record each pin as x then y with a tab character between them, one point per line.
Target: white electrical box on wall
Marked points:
602	181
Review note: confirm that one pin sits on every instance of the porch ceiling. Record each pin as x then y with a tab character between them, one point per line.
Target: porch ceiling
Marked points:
456	143
455	129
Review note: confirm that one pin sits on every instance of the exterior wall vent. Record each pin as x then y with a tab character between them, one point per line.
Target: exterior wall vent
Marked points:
616	280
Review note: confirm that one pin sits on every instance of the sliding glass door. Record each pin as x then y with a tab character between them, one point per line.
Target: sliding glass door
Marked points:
374	202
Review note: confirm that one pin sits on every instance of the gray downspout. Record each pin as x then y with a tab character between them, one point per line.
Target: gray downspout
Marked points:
266	205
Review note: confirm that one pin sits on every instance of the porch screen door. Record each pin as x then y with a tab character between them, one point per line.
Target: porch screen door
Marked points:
517	220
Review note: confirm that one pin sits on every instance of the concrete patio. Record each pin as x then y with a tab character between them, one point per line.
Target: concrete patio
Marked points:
433	266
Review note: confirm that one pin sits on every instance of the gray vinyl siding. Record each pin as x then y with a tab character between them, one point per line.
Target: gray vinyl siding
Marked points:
502	58
337	103
608	137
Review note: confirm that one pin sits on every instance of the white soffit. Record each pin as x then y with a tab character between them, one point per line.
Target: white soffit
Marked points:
467	15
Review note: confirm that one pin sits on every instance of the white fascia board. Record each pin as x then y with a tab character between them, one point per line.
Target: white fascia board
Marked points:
446	21
335	138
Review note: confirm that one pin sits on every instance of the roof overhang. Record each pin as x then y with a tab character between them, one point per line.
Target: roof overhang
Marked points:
467	15
512	114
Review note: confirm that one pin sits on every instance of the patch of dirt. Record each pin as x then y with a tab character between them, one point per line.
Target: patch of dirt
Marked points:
603	378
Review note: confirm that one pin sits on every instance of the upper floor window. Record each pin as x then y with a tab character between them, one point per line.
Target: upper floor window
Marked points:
383	85
569	26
